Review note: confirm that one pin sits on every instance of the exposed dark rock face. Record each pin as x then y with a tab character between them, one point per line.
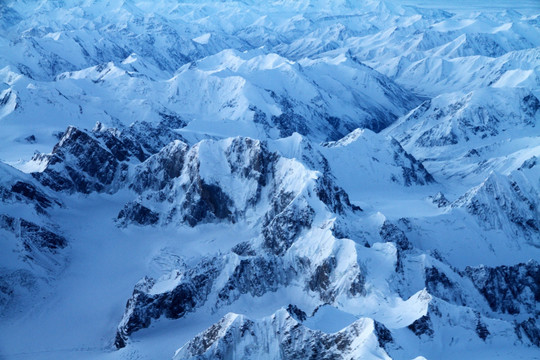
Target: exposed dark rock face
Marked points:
134	212
251	159
413	170
31	193
143	139
333	196
529	329
481	329
30	139
175	176
244	249
507	202
391	233
26	192
144	305
320	281
529	163
35	235
255	276
32	235
206	203
288	122
422	326
37	245
98	160
41	250
440	285
296	313
358	285
530	105
81	163
509	289
445	122
440	200
383	334
433	137
158	170
319	121
256	226
121	148
281	230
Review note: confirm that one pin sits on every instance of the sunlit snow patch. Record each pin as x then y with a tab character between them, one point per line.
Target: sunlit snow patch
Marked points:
203	39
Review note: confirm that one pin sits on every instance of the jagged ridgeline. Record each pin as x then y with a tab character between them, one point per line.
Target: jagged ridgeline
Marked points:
269	180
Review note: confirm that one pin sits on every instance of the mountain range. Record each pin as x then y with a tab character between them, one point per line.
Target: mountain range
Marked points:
291	179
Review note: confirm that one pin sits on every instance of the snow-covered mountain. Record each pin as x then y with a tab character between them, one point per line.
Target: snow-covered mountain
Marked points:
281	336
34	247
269	180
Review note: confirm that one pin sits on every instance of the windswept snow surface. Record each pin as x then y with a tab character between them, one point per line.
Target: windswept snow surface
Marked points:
269	179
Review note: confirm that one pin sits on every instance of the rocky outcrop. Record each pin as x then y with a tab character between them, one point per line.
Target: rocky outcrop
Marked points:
413	171
185	179
284	223
32	236
190	291
222	280
278	191
158	170
17	187
255	276
508	203
422	326
333	196
99	160
529	331
440	200
439	284
135	213
252	225
509	289
82	163
281	337
392	233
